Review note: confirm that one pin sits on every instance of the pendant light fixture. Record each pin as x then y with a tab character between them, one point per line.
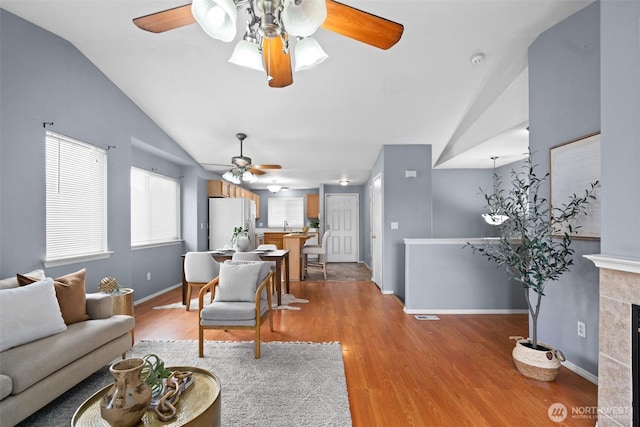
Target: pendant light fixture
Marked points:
494	217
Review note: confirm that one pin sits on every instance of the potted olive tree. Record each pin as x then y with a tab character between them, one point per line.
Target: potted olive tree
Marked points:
535	247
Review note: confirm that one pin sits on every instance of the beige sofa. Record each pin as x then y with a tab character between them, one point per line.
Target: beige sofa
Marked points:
35	373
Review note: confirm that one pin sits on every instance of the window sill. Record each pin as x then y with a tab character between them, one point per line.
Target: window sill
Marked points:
56	262
156	245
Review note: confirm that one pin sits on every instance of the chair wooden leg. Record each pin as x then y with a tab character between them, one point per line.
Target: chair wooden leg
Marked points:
324	266
200	342
258	339
188	296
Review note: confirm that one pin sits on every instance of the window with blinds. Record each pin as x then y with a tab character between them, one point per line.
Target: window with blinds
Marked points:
281	209
155	208
76	198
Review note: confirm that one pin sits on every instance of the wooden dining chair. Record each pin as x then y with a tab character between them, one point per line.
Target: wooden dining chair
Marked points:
199	269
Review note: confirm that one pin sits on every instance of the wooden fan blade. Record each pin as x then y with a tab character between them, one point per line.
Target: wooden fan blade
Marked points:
166	20
256	171
362	26
276	62
267	167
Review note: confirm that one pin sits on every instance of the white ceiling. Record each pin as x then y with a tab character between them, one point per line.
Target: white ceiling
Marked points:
331	123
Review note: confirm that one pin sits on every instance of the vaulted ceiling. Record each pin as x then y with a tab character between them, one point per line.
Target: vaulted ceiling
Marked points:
331	123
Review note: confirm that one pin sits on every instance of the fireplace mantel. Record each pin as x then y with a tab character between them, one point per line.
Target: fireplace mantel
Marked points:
612	262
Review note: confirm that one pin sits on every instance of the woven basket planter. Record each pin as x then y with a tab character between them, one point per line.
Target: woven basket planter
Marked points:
540	364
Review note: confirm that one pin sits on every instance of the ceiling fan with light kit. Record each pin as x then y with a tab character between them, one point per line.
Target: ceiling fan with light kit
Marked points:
242	169
271	26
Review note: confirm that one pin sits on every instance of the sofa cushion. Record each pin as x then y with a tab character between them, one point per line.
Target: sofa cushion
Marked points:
6	385
50	354
29	313
70	291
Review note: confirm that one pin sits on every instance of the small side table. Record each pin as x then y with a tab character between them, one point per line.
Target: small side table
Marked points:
123	304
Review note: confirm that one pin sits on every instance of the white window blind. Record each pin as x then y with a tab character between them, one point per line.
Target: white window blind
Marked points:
281	209
155	208
76	198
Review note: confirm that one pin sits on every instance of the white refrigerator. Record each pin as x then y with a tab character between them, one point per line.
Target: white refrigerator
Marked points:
225	215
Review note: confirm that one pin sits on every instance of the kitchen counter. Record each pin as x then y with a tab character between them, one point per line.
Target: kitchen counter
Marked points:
294	242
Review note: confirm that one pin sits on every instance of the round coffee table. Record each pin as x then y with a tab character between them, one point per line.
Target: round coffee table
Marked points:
199	405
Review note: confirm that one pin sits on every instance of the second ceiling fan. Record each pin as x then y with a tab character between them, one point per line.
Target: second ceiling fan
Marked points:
242	168
265	45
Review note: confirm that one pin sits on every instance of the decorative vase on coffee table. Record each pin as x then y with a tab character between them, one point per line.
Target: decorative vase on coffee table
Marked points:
128	399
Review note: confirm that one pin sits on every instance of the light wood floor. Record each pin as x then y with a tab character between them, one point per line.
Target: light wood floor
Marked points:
400	371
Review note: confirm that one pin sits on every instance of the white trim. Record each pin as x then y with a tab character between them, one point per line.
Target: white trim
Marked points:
56	262
455	241
156	245
163	291
467	311
578	370
612	262
383	292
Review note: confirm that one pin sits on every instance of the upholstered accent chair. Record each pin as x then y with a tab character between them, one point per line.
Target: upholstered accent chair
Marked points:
199	269
320	251
242	300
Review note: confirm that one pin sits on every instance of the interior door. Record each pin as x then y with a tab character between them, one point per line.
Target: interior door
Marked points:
342	219
376	231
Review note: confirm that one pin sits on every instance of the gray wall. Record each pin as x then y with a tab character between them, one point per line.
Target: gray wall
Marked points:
564	104
46	79
458	203
447	277
620	104
407	201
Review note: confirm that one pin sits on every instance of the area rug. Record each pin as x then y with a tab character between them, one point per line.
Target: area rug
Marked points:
286	300
292	384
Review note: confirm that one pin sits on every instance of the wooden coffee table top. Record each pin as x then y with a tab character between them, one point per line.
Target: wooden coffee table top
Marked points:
199	405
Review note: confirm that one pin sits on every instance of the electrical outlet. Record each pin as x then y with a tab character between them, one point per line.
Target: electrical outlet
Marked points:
582	329
149	276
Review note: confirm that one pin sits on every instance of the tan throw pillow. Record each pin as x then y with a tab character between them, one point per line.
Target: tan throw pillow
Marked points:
71	295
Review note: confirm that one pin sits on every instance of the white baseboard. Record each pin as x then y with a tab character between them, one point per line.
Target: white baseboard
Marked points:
583	373
469	311
164	291
383	292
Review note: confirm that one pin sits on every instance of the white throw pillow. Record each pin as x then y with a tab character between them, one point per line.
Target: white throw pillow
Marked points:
29	313
238	282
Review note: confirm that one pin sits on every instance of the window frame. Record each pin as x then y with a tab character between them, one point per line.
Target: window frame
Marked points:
276	220
177	239
57	208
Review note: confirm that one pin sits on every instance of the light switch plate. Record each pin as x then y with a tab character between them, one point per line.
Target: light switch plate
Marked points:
394	225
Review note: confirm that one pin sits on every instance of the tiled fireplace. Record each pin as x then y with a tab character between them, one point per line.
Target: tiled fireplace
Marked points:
619	292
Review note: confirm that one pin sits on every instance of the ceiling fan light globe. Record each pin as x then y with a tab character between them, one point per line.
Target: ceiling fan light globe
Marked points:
216	17
304	19
309	54
247	54
247	176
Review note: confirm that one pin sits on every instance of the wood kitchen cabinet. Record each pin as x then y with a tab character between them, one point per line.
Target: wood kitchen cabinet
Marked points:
222	188
313	205
274	238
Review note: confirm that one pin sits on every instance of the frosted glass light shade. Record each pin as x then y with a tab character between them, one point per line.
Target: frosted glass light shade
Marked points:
216	17
304	19
247	176
274	188
308	54
494	219
247	54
